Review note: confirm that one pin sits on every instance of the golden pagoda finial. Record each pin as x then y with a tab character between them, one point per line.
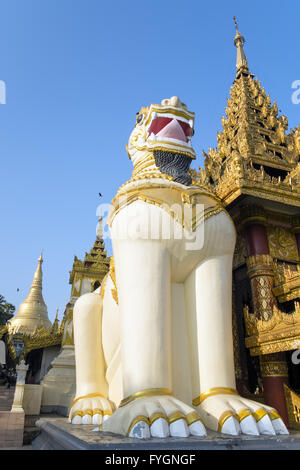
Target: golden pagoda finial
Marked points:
239	42
235	22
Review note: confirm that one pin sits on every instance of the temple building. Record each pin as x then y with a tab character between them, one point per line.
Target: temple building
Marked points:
255	171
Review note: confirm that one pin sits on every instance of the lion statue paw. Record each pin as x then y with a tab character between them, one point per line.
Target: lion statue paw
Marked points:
93	408
236	415
155	416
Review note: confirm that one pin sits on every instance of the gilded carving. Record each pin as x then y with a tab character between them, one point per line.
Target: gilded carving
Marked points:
240	252
273	365
281	332
260	271
293	407
287	282
282	243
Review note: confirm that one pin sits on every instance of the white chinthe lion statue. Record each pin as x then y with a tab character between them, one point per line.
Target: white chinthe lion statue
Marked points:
153	344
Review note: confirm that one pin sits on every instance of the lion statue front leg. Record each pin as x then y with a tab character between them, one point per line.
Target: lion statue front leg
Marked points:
91	404
209	290
148	409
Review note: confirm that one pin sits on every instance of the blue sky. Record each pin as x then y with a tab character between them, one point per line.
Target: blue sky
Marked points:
76	73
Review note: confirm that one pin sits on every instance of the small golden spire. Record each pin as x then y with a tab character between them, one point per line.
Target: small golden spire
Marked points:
239	42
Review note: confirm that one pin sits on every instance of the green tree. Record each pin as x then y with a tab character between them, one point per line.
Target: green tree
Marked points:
6	310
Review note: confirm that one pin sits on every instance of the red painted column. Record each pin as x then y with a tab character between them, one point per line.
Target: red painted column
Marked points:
260	270
256	239
274	375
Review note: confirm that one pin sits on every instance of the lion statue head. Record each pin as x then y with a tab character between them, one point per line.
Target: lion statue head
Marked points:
162	137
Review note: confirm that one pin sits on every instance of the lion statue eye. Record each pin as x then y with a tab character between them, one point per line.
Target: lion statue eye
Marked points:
139	118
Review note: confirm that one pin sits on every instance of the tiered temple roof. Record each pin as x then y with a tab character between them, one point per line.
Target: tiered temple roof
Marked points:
95	262
255	154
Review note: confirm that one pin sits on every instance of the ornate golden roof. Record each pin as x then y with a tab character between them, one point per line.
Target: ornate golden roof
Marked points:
32	313
255	154
96	261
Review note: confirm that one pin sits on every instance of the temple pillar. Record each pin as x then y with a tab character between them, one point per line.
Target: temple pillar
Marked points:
259	262
261	274
274	375
260	270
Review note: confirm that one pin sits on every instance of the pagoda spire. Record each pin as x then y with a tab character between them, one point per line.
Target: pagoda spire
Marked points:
32	312
239	41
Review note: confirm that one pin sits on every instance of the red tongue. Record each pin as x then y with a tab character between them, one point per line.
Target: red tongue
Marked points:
173	130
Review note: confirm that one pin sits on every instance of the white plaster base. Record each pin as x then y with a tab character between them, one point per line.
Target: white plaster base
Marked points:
59	383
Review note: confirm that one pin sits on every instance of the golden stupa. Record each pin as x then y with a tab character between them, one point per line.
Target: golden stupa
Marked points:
32	312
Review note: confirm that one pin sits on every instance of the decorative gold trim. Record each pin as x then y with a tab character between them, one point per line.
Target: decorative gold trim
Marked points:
279	333
156	416
244	414
214	391
293	407
90	412
192	418
150	392
175	417
274	415
260	265
112	273
89	395
259	414
137	419
103	285
224	416
254	219
273	368
102	412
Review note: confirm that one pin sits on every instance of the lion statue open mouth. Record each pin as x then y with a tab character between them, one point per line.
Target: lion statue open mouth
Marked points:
153	344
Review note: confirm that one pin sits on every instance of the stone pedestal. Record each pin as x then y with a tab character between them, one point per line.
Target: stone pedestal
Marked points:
59	383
